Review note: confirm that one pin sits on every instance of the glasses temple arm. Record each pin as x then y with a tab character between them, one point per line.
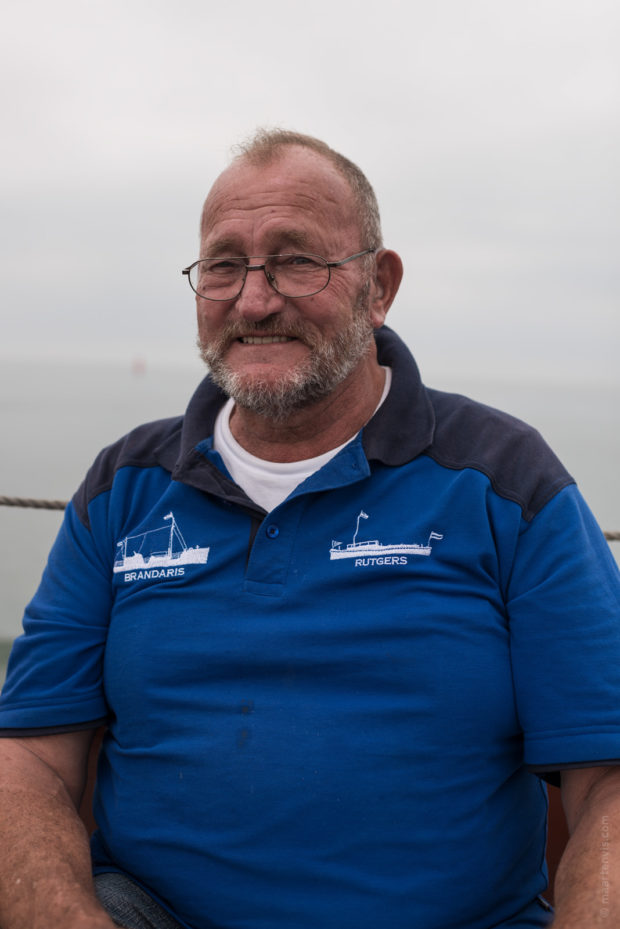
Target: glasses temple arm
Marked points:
343	261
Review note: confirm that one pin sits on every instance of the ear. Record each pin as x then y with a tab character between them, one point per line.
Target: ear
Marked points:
385	284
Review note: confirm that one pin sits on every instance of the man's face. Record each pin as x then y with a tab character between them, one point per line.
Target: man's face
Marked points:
274	354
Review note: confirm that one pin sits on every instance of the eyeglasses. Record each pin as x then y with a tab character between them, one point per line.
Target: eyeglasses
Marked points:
289	275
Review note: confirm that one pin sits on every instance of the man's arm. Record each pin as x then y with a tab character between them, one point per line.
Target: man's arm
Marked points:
587	884
45	872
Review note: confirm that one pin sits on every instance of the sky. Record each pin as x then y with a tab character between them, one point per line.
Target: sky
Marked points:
489	128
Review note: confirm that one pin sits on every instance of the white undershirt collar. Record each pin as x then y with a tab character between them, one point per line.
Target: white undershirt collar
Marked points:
268	483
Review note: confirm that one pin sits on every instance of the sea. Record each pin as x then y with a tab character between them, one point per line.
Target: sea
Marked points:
55	417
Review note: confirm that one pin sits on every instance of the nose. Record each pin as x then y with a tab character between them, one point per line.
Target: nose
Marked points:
258	299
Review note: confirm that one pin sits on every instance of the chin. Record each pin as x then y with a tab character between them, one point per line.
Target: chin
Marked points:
276	397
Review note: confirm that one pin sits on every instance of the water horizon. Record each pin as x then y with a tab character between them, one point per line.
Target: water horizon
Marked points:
55	419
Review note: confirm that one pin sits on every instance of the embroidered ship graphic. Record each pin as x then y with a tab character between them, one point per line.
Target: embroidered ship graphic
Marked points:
356	549
157	548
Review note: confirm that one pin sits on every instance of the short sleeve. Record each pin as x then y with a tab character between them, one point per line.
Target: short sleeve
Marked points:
564	613
55	670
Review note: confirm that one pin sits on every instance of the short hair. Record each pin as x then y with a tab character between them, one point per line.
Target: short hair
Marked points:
266	144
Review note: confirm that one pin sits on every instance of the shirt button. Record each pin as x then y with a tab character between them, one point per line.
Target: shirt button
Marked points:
273	532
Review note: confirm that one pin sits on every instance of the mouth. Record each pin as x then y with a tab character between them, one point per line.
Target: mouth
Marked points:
264	339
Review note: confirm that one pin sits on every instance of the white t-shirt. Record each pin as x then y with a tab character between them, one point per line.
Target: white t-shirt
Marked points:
268	483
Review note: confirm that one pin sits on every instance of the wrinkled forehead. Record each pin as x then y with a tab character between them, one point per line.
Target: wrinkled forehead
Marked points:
295	183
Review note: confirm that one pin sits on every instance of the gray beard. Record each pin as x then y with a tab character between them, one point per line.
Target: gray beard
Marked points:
328	365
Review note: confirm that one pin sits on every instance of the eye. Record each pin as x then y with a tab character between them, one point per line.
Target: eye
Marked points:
221	265
299	261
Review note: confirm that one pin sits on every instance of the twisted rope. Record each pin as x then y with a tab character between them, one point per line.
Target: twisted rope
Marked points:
30	503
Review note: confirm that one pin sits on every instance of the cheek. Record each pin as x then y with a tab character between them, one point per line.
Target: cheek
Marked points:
210	317
337	312
336	302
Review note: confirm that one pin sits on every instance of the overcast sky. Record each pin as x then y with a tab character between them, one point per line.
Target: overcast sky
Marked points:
489	128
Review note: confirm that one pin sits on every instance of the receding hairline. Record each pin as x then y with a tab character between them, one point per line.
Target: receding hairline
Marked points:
266	146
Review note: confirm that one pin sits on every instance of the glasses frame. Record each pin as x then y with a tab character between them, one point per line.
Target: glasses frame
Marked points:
270	278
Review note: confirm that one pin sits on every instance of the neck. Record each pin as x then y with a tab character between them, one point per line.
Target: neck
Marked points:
318	427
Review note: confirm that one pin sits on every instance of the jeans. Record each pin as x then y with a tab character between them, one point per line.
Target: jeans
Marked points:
129	905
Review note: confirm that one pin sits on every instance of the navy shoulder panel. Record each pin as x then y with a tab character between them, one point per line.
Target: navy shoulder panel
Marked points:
151	444
518	462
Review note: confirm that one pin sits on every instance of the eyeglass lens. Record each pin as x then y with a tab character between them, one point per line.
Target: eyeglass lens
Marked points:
290	275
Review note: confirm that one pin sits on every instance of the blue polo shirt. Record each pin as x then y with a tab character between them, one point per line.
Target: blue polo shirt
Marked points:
333	714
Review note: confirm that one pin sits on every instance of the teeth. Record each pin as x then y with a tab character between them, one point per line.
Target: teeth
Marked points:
265	339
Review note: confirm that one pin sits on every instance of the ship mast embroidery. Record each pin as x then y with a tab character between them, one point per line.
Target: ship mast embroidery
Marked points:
356	549
157	548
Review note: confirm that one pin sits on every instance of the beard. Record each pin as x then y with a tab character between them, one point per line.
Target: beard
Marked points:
329	363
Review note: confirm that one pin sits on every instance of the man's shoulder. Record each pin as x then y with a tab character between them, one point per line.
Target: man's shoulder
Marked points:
161	443
461	433
513	455
152	444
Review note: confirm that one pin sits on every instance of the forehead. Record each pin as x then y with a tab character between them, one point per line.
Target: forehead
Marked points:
298	196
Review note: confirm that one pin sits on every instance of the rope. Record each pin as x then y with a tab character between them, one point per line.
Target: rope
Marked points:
29	503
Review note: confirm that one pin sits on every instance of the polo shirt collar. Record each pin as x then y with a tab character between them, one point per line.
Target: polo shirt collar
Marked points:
404	425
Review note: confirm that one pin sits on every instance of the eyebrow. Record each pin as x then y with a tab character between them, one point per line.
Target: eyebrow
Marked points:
293	238
287	238
223	246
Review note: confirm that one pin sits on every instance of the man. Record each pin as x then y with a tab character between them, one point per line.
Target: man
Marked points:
338	625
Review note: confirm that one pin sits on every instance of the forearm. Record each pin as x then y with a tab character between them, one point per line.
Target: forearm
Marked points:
45	875
587	885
